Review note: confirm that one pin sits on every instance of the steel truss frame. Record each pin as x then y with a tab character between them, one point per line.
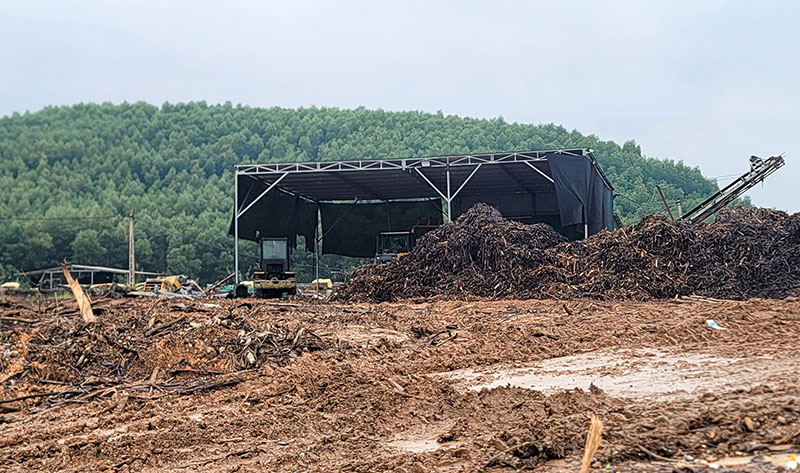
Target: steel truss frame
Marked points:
281	170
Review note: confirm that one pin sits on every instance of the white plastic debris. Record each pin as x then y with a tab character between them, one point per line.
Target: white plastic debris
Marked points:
712	324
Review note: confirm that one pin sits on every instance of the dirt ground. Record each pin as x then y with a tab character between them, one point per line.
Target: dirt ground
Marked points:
444	386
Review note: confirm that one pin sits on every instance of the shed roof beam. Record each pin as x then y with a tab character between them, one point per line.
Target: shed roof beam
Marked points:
465	181
539	171
522	185
433	186
366	189
262	194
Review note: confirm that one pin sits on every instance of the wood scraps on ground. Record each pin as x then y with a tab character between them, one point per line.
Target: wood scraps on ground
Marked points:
135	343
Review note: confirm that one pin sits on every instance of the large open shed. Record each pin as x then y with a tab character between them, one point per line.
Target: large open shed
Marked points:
339	207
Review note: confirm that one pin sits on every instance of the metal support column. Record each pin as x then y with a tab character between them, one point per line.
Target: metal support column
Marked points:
317	243
449	197
444	197
453	196
131	252
237	213
236	227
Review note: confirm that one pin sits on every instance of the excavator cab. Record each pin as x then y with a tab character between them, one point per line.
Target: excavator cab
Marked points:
273	278
393	245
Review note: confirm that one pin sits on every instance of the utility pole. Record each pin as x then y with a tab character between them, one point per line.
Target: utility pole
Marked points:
680	209
131	252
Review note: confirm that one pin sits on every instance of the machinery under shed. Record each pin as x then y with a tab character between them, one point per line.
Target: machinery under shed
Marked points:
339	207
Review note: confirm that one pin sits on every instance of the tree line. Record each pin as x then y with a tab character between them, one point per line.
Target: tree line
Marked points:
69	175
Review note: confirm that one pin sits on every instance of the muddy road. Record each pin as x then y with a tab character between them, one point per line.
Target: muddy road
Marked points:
442	386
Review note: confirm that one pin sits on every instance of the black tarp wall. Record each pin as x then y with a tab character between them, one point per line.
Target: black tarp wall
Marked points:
582	194
275	215
351	229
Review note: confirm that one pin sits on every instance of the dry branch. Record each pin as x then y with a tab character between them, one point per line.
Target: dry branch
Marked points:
84	303
592	443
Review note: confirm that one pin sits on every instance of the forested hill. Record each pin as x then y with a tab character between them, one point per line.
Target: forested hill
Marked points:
69	174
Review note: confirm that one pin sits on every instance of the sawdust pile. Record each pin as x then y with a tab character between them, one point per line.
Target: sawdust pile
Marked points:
746	253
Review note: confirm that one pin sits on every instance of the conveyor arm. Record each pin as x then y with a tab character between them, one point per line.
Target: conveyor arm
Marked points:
759	170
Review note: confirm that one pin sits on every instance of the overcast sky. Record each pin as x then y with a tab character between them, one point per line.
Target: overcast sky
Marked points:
706	82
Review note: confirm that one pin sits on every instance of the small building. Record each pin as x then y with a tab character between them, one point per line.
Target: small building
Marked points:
51	278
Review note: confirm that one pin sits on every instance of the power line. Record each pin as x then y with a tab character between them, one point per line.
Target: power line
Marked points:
724	176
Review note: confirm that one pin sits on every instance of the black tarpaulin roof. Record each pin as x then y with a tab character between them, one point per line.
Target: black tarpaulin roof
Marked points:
565	188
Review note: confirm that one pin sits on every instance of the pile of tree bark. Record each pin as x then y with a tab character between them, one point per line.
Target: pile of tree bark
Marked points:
746	253
480	254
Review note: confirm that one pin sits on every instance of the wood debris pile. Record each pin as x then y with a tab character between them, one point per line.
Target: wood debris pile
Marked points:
746	253
48	351
480	254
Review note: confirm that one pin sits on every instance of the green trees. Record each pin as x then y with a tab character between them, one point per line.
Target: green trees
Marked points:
86	246
174	164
